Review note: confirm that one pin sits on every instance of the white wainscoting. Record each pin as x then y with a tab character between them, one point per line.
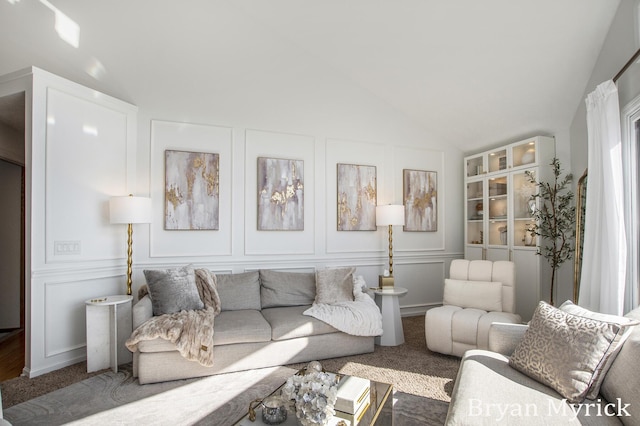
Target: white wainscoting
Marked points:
58	317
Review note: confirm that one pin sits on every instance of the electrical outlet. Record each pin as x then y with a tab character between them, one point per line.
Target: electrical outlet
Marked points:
66	248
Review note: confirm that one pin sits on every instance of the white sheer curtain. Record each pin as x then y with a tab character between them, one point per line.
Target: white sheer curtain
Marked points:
602	285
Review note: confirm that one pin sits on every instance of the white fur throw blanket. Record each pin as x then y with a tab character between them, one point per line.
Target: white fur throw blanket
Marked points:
360	317
190	331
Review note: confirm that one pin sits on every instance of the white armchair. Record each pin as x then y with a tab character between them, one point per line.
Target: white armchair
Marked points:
476	294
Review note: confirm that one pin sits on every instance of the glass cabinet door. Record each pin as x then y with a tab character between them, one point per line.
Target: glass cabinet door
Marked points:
475	166
498	210
475	212
497	160
523	208
524	153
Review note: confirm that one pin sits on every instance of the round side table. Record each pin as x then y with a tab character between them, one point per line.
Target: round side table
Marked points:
387	301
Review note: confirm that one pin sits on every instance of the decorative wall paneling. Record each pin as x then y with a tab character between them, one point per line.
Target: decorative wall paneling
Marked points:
196	138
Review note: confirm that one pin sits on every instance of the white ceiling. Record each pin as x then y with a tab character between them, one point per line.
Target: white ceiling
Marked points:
470	72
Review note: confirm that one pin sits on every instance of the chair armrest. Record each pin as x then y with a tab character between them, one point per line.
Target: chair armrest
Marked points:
504	337
142	311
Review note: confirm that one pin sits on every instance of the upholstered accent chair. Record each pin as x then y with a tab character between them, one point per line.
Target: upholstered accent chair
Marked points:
476	294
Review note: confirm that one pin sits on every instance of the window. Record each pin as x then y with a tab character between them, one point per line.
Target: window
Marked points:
631	159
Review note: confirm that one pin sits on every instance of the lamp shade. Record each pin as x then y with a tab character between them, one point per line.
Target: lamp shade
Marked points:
130	209
389	215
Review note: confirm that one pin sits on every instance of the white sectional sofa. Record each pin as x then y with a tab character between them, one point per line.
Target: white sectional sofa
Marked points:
261	325
488	391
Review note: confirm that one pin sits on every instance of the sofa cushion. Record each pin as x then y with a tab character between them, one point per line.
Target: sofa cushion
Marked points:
485	295
564	351
334	285
623	378
242	326
286	288
464	326
239	291
289	323
173	290
615	347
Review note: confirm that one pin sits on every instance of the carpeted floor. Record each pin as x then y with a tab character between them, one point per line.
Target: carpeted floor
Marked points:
420	378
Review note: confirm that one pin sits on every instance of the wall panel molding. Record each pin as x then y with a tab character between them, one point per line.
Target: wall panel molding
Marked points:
262	143
167	135
64	307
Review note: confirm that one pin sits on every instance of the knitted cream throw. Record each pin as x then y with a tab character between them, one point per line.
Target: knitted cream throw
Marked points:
190	331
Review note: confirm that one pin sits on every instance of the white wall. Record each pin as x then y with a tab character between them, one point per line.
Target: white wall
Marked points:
620	44
82	149
319	116
79	151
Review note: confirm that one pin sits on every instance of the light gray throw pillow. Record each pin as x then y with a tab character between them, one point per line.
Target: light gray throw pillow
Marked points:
279	288
173	290
239	291
334	285
564	351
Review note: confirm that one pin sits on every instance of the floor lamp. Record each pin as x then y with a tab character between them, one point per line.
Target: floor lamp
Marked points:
389	215
129	210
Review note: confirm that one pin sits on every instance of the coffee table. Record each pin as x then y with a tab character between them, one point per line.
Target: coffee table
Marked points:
380	411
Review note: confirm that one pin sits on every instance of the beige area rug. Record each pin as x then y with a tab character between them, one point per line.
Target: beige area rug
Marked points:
422	380
117	399
410	367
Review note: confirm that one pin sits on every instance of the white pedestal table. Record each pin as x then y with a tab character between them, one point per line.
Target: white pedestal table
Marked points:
387	301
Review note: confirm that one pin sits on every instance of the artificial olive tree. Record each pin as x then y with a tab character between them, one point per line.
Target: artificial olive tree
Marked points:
554	219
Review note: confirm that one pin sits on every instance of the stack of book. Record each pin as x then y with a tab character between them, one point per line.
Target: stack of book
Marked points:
354	398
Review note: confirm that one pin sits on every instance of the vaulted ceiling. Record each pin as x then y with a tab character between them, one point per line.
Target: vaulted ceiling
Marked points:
470	72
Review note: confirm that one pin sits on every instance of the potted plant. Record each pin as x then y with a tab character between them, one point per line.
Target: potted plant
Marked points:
554	219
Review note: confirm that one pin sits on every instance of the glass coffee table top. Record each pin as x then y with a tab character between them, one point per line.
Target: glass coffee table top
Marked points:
380	411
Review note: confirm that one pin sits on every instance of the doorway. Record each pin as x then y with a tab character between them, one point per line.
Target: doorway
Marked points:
12	236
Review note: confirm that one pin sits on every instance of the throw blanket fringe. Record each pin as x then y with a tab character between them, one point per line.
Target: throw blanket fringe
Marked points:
360	317
190	331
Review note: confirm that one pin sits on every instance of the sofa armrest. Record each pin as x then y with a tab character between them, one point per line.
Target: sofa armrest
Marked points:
504	337
142	311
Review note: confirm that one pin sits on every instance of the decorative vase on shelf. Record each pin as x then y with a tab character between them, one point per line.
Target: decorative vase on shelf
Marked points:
529	235
503	235
528	156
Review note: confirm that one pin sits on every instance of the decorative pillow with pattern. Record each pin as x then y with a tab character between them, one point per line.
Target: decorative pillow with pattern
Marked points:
334	285
564	351
615	347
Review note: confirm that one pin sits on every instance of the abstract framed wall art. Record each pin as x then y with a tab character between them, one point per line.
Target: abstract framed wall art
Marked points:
420	193
192	192
357	197
280	194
